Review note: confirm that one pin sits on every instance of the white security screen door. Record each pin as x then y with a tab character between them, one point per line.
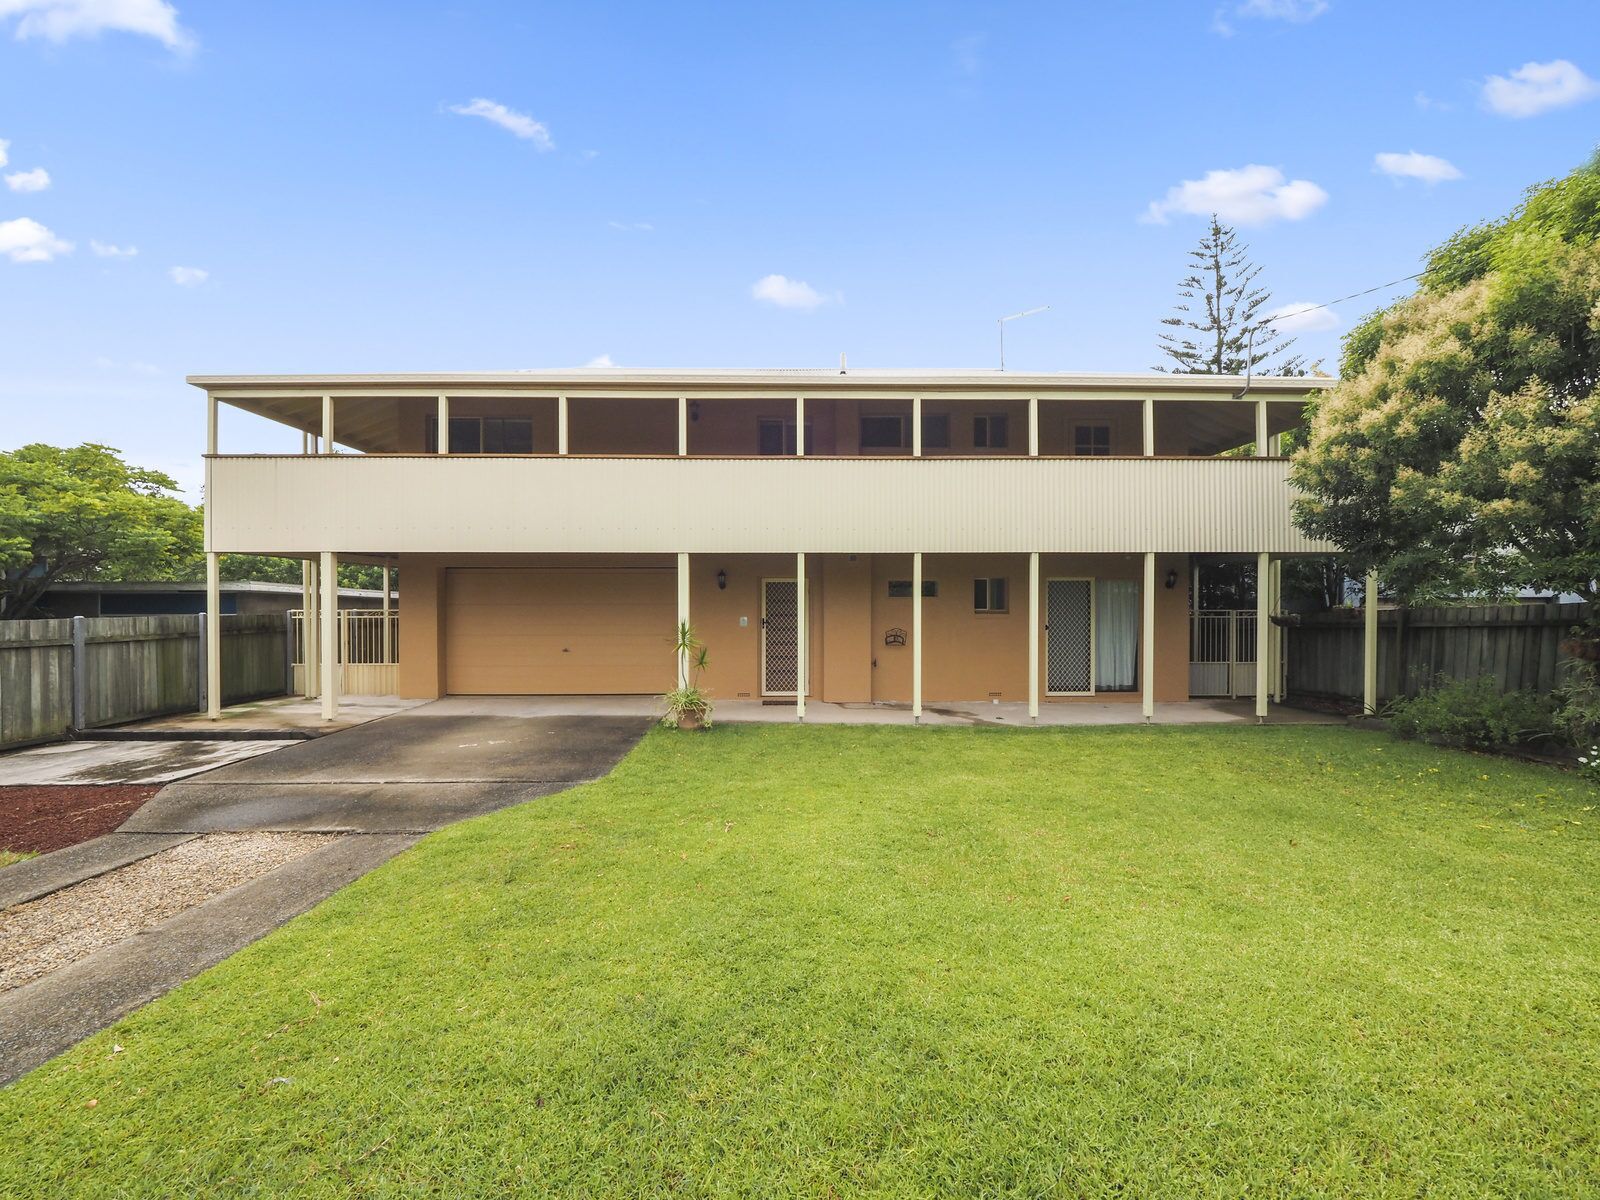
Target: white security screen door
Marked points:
1069	637
780	640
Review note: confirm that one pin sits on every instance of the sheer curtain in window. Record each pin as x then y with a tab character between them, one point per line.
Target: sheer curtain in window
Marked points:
1116	634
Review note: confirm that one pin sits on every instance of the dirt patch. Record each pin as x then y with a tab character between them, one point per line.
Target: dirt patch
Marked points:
44	817
46	934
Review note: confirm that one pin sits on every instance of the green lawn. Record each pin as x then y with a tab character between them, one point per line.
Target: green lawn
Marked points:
830	961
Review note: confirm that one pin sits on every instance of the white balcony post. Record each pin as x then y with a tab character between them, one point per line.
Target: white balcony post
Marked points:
1261	429
1147	639
213	635
1149	426
800	426
327	424
916	636
683	616
330	636
443	423
1033	427
1033	636
1278	634
1263	630
561	424
1369	648
916	427
683	426
211	424
802	649
388	634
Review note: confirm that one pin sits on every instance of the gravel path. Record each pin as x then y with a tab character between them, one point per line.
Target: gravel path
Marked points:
42	935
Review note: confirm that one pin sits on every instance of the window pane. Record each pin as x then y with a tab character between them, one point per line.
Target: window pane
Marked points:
997	431
997	595
930	587
980	432
936	431
882	433
899	588
980	594
493	439
518	436
464	435
769	437
430	435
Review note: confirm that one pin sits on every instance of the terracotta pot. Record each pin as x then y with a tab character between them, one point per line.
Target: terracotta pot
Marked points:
690	720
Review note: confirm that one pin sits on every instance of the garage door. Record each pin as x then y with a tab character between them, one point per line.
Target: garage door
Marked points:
551	632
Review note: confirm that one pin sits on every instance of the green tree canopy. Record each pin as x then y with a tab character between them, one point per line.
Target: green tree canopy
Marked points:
1460	450
81	513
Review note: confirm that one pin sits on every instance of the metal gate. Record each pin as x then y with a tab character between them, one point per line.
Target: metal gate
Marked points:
367	641
1222	652
780	637
1069	637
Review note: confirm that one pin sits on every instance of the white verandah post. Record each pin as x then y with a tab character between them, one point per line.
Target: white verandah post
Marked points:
916	427
916	636
442	421
1263	631
330	635
213	586
1369	648
802	649
683	616
1147	639
388	634
1033	636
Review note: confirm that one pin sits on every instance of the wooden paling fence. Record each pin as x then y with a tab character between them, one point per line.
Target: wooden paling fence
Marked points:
86	672
1519	645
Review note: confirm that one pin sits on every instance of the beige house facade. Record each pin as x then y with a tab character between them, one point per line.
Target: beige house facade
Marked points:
900	537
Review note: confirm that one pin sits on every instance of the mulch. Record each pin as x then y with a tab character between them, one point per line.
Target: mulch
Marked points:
40	818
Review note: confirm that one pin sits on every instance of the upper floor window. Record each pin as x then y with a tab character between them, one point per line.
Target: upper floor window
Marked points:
1091	439
776	436
483	435
989	596
989	431
883	432
935	431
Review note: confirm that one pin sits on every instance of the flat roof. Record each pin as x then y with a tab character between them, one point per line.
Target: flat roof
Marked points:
804	379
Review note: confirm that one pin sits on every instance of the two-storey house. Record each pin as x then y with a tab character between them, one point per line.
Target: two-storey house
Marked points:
856	537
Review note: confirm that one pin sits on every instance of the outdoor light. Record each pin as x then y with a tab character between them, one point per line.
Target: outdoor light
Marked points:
722	580
1172	580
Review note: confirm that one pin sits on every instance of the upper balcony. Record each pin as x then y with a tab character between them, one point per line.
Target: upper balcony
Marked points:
609	461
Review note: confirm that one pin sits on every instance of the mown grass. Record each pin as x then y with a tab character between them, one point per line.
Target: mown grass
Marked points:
829	961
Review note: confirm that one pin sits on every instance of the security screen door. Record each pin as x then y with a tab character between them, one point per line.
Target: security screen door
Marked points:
780	641
1069	637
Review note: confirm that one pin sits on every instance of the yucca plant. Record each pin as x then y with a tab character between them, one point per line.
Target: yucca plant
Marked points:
688	706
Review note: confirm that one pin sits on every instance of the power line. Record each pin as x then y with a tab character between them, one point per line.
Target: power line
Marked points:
1300	312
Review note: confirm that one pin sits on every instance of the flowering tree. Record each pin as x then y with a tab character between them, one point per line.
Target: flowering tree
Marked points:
1460	451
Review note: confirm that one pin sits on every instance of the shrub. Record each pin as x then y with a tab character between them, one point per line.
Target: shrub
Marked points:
1578	704
1473	714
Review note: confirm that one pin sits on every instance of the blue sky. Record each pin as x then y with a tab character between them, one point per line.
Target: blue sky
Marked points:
406	186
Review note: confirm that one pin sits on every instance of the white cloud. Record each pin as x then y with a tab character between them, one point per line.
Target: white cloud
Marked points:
60	20
35	180
4	146
1251	195
1303	317
600	360
1296	11
632	226
25	240
1428	104
107	250
1429	168
509	119
1534	88
787	293
188	276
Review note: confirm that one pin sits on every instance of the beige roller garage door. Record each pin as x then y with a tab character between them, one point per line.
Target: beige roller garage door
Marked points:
525	632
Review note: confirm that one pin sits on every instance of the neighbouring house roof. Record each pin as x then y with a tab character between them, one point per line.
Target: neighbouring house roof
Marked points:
156	587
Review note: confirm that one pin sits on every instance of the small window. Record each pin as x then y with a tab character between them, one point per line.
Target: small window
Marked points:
883	433
482	435
989	596
989	431
900	589
1094	440
935	431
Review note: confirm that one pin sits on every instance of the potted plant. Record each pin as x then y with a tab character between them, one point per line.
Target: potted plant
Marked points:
688	707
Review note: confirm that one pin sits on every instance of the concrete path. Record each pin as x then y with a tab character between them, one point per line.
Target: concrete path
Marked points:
384	784
100	763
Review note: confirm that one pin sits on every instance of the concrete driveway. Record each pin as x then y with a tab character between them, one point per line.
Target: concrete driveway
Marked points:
377	787
408	773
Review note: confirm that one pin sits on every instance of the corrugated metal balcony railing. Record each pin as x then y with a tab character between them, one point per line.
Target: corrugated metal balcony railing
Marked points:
478	504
